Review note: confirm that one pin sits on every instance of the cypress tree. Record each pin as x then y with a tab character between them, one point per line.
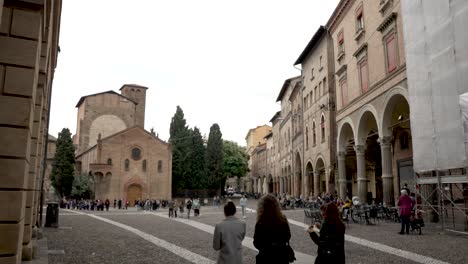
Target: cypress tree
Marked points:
214	157
62	174
198	172
180	140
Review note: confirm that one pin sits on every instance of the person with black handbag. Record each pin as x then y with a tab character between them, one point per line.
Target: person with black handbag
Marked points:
272	233
329	236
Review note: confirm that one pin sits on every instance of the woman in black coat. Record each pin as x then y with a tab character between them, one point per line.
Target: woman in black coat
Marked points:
330	240
272	232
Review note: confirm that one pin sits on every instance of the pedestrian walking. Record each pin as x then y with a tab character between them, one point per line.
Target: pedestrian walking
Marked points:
189	207
243	204
329	236
196	207
115	203
120	204
272	233
405	205
228	236
171	208
107	204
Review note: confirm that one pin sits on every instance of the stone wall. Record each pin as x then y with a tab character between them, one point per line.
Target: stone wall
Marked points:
104	114
28	53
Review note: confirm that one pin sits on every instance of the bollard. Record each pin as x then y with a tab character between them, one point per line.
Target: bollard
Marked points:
52	215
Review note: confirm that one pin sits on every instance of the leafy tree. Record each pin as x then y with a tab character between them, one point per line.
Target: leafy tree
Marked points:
62	172
197	178
235	160
82	187
180	140
214	157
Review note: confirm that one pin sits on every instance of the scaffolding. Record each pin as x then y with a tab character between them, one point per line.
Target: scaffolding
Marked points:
443	196
436	52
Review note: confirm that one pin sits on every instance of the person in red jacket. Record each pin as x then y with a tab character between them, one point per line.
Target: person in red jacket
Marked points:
405	205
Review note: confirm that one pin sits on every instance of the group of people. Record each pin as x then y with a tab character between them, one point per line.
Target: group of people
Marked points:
272	234
174	206
85	204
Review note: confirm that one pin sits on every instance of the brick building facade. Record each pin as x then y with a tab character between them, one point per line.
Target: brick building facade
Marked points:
123	160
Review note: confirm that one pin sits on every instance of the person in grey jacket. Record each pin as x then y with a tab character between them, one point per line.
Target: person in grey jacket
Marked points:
228	236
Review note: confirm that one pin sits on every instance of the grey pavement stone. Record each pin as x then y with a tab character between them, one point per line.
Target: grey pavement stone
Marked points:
93	241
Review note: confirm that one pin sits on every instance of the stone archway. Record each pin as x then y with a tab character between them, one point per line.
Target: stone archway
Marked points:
298	176
309	173
346	160
321	175
396	136
270	184
368	158
134	192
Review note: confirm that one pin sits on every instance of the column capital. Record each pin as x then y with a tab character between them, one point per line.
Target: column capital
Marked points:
360	149
385	141
341	155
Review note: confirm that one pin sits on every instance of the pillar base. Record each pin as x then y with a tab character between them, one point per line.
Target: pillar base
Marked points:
10	260
29	251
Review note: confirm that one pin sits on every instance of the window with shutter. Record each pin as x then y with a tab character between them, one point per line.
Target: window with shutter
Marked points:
390	44
363	75
344	93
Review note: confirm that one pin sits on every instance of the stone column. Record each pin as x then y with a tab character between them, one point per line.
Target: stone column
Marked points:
342	174
306	185
20	116
387	177
316	183
361	172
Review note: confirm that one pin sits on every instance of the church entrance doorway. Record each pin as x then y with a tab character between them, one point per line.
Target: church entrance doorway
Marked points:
133	193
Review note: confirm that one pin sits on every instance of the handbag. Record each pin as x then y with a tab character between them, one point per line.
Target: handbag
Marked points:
290	253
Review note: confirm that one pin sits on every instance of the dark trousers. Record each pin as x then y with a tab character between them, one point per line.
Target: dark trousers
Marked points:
405	224
171	212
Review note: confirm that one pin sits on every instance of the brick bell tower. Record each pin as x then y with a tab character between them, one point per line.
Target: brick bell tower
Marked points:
138	94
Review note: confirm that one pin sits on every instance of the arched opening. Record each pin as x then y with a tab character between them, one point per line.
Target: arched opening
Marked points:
98	178
290	184
396	130
127	165
270	184
322	128
309	173
370	186
298	173
109	161
134	192
314	134
322	178
347	162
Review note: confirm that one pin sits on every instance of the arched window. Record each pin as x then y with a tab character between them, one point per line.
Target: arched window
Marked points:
307	137
322	128
144	165
127	164
109	161
314	137
159	165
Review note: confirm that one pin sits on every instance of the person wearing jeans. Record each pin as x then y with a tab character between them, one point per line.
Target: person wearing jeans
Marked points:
243	204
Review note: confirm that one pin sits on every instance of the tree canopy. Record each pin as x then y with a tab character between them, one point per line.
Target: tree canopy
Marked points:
214	157
235	160
62	174
180	140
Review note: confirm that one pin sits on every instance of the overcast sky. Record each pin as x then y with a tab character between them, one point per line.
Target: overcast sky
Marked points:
222	61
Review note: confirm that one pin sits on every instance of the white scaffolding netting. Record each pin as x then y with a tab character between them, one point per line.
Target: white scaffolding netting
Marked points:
436	49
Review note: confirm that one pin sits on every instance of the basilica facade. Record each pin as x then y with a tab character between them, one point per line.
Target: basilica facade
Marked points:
122	159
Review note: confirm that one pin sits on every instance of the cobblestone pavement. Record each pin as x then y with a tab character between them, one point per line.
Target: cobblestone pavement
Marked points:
131	236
